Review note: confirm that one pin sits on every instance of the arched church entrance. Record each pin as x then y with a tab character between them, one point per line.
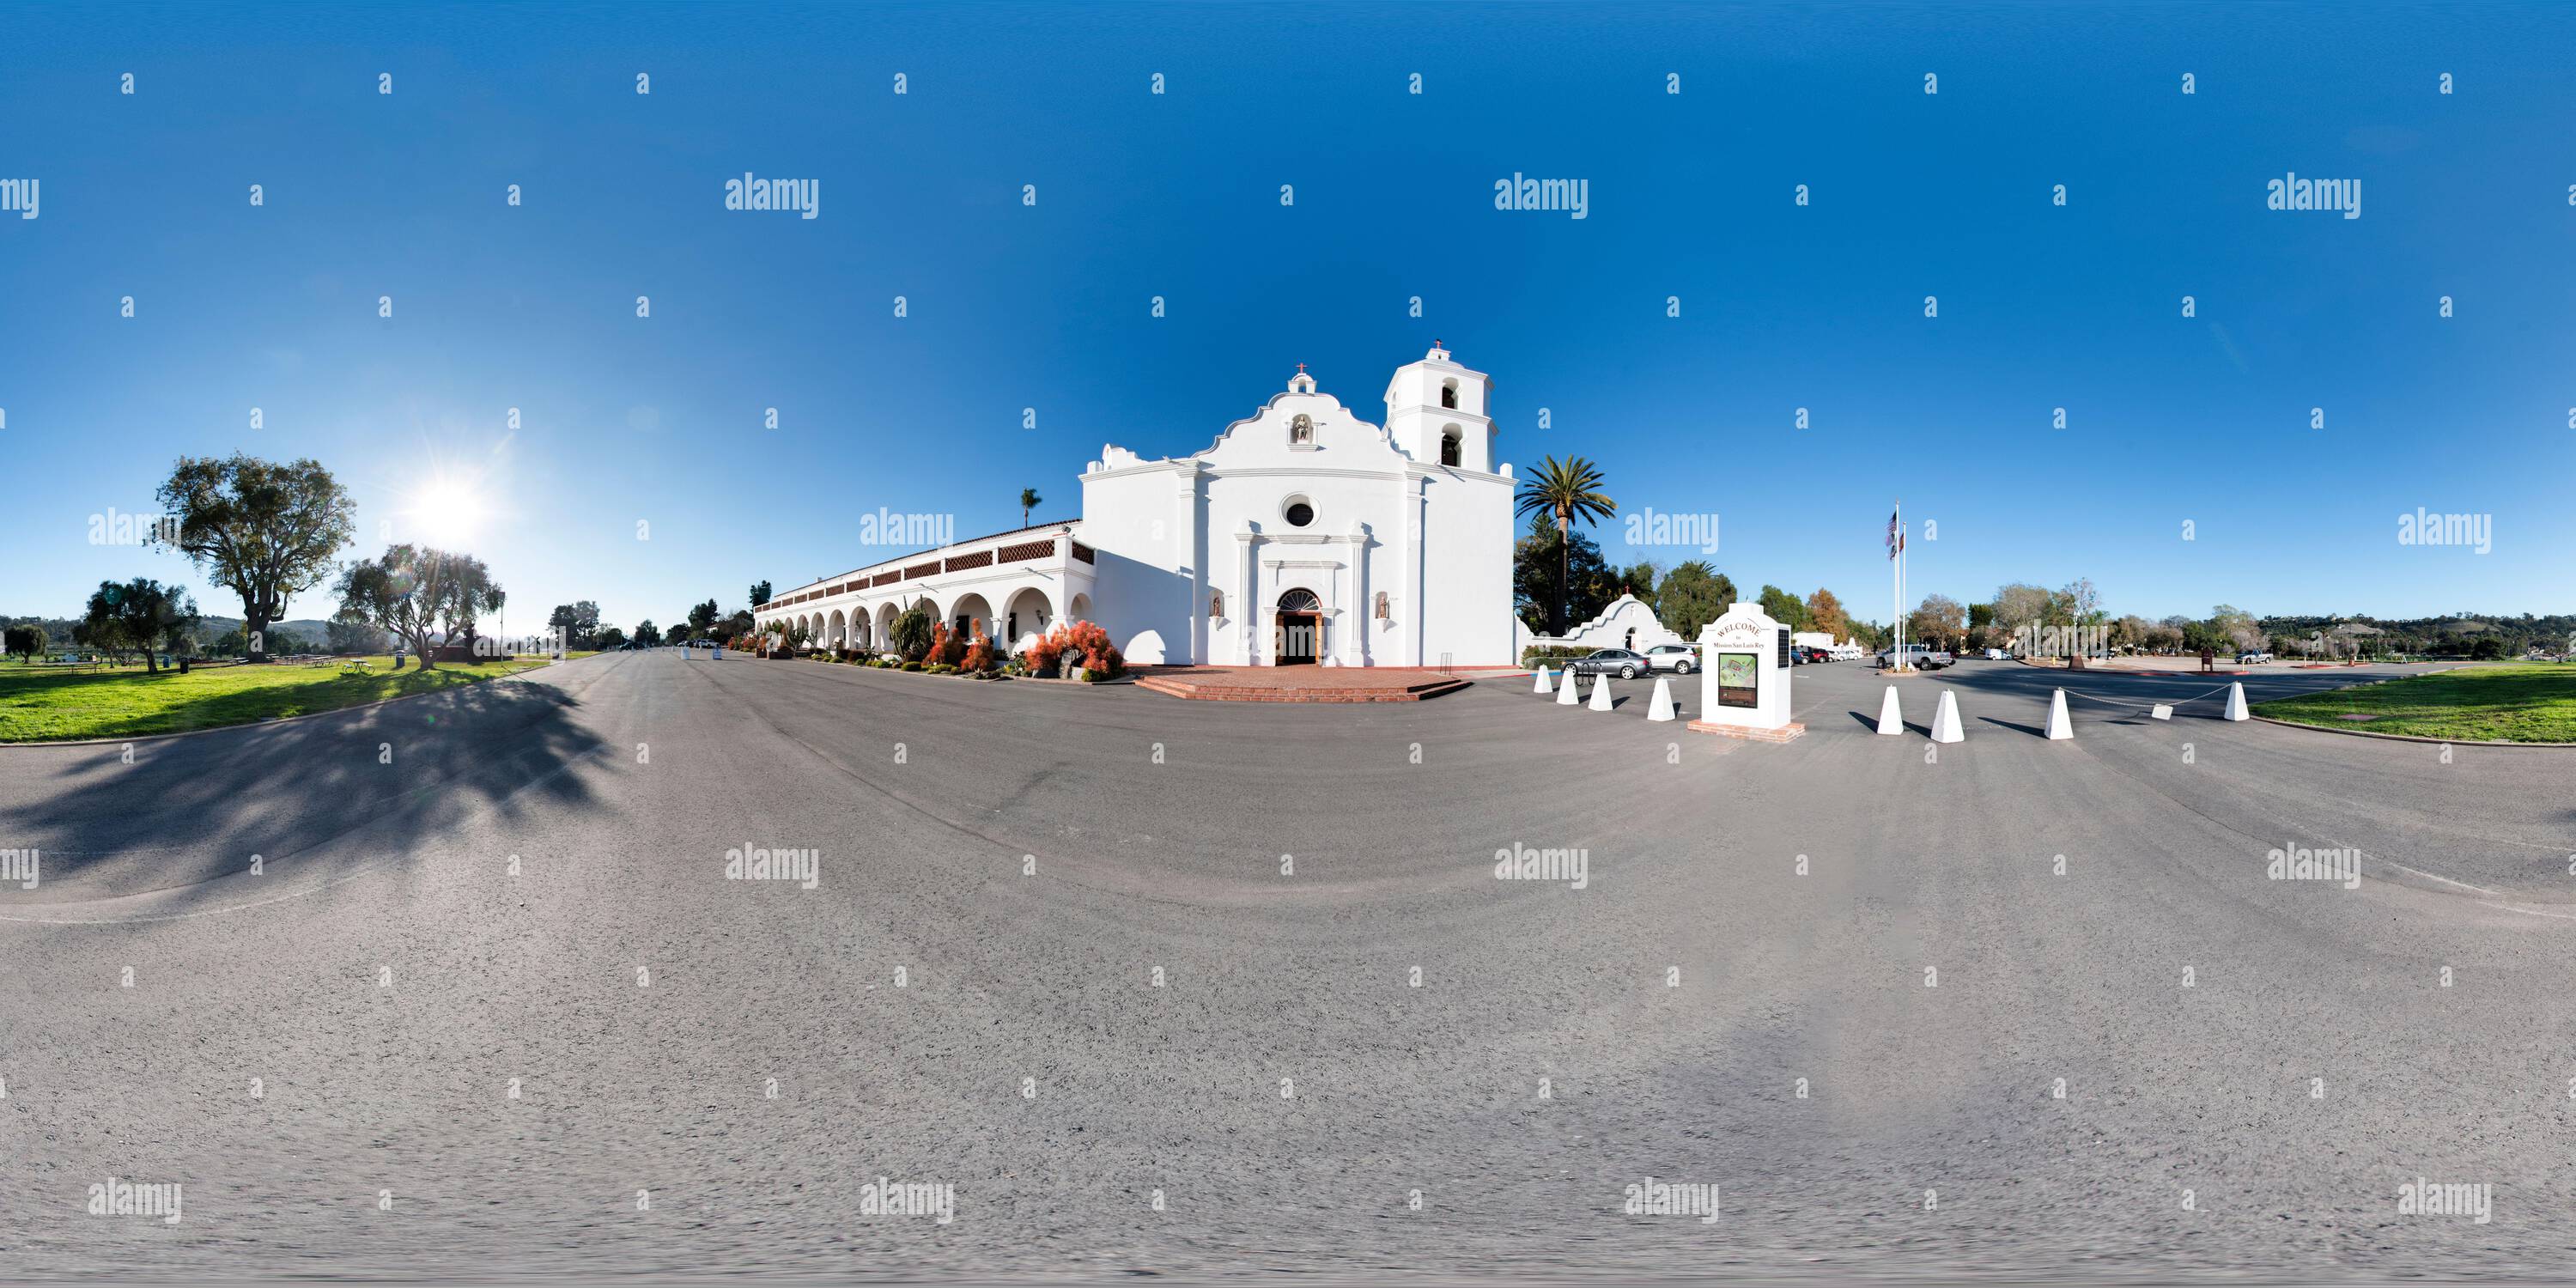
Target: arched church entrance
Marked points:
1298	638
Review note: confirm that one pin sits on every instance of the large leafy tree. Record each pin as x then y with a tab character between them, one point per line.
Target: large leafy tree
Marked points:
353	637
702	619
26	640
406	592
138	616
1825	613
647	634
1981	626
2020	606
1569	492
579	623
474	595
1938	622
1784	608
1542	561
266	532
759	593
2229	625
1692	595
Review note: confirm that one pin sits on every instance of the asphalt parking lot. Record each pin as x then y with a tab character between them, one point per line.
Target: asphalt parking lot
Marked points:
1068	949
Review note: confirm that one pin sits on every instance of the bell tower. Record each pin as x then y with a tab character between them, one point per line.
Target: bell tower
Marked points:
1435	412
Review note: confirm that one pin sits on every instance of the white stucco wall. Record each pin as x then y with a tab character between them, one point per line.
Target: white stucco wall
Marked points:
1386	517
1610	629
1436	540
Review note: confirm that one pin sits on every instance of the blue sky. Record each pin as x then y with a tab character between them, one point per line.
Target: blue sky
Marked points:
659	421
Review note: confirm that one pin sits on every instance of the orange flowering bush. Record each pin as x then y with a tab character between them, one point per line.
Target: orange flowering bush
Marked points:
1075	644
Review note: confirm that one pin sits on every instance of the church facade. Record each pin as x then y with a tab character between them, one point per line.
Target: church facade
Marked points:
1303	535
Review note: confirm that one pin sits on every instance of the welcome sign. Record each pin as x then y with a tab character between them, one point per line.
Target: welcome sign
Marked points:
1744	677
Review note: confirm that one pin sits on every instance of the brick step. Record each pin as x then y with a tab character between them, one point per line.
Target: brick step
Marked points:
1174	686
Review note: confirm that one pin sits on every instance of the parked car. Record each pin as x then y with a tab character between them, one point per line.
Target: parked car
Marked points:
1680	659
2252	655
1810	653
1921	657
1610	661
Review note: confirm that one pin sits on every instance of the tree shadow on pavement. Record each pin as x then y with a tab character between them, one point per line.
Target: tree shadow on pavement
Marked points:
192	808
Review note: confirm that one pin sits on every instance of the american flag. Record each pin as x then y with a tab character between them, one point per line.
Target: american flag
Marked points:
1895	535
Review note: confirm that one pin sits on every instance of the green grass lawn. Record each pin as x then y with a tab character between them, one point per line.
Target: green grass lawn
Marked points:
2508	702
38	703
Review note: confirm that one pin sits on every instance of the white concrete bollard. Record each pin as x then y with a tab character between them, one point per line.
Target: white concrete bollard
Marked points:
1662	707
1601	691
1945	722
1891	717
2058	725
2236	702
1543	685
1565	694
2160	711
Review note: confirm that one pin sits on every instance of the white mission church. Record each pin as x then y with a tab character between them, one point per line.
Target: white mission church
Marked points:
1303	535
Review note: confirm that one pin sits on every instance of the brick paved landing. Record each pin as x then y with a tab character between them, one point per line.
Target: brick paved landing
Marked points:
1300	683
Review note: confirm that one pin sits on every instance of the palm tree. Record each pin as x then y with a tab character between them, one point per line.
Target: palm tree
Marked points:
1029	499
1569	490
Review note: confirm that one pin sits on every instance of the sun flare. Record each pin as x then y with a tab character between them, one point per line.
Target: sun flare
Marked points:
447	511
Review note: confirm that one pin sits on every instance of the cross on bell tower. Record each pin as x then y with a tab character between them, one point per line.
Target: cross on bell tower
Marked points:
1436	412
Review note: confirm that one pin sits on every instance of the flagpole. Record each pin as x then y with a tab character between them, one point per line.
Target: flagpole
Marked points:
1896	593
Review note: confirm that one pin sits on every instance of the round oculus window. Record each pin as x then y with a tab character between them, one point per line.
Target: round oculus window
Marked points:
1299	514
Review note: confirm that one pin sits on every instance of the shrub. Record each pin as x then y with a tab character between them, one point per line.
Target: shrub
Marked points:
1075	644
1538	653
1042	654
912	631
979	653
939	668
1097	653
912	666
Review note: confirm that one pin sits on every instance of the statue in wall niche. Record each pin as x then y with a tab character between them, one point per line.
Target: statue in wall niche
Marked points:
1382	613
1216	603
